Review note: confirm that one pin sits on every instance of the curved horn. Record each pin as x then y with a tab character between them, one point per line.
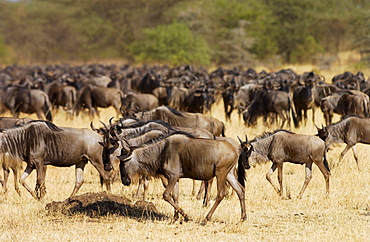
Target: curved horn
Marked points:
240	141
105	126
110	121
92	127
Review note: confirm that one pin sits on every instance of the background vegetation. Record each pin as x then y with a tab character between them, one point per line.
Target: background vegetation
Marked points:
203	32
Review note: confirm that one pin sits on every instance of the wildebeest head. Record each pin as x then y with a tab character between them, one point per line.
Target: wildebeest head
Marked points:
245	152
124	159
323	133
110	144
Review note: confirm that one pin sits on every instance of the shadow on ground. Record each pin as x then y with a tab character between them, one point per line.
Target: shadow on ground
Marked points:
103	204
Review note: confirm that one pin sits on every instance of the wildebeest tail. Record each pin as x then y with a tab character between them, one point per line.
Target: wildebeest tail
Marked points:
241	171
47	109
326	164
223	131
294	116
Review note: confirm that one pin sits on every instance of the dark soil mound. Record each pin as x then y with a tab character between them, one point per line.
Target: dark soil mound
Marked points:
102	204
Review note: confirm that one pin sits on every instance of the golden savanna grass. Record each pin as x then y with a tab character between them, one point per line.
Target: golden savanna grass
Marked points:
343	216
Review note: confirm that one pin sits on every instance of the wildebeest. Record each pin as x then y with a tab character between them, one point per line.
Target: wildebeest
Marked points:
284	146
304	96
139	102
41	143
270	102
7	163
353	102
180	156
91	97
328	105
61	95
184	119
350	130
24	100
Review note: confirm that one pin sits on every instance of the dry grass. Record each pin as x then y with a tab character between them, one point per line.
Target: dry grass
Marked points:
344	216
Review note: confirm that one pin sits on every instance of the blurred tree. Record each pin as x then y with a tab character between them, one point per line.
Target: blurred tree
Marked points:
173	44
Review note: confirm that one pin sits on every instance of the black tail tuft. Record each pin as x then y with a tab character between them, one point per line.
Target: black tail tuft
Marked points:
326	164
241	171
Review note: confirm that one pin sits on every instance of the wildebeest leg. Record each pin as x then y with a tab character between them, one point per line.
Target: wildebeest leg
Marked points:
5	181
355	155
239	189
305	116
25	174
40	188
79	177
207	192
168	197
307	179
268	177
221	180
194	187
145	184
326	174
201	190
280	177
141	182
344	152
313	114
16	181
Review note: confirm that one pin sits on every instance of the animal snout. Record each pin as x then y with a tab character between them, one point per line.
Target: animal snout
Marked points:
126	181
108	167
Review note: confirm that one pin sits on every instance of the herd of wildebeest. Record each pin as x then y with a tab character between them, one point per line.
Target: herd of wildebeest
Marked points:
164	126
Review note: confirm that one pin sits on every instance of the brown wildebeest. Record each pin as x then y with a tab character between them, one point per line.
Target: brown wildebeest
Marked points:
184	119
7	163
350	130
328	105
41	143
139	102
270	102
353	102
304	96
180	156
92	97
24	100
284	146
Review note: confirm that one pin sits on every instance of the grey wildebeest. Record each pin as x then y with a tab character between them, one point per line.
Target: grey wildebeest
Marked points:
7	163
328	105
284	146
353	102
184	119
350	130
139	102
181	156
270	102
24	100
41	143
92	97
304	96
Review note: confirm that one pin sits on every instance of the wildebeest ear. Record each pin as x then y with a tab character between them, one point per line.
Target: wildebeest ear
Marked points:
317	127
101	143
246	139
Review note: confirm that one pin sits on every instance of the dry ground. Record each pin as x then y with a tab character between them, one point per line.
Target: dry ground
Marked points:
343	216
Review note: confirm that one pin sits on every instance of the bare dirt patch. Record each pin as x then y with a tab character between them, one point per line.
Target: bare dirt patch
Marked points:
103	204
